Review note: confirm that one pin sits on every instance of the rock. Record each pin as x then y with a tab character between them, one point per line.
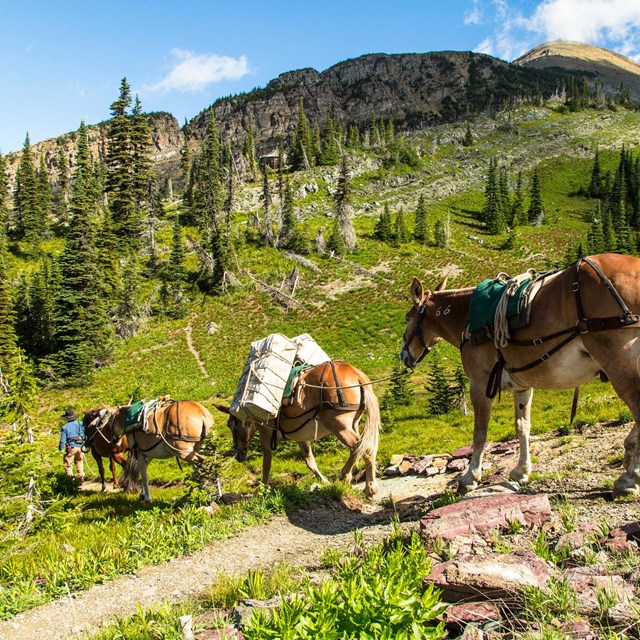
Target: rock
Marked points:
483	514
578	538
440	462
502	448
213	327
392	471
594	587
459	615
243	611
422	464
505	487
396	459
578	630
493	576
457	466
405	467
230	498
618	540
463	452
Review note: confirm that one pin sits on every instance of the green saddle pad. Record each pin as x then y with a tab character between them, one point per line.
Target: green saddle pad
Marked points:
288	388
484	302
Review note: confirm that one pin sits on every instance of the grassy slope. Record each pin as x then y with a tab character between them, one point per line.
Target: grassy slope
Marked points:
363	322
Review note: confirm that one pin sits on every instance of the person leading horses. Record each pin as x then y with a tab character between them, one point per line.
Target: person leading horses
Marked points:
72	438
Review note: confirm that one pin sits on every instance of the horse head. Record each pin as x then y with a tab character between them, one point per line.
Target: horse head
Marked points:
418	339
242	431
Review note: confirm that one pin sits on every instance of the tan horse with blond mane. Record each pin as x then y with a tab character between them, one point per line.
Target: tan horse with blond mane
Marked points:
583	322
172	428
328	399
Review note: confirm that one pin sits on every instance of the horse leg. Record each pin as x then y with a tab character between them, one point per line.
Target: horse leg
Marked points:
350	440
112	464
305	448
143	463
520	473
629	482
98	459
481	414
267	453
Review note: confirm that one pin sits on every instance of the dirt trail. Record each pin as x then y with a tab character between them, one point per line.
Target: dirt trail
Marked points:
578	468
299	539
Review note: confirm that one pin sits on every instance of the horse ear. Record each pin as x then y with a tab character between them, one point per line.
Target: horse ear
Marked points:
417	291
221	407
443	284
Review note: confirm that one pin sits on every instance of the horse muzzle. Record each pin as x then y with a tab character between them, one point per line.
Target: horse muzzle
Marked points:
408	360
240	456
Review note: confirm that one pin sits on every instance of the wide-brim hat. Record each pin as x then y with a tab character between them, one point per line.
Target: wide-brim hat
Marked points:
70	414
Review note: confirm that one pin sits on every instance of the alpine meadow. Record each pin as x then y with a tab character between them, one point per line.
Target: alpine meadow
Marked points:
140	259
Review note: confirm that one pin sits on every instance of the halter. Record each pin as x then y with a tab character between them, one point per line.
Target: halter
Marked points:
417	333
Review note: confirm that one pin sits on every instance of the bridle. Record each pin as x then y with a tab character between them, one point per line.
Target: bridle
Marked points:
417	333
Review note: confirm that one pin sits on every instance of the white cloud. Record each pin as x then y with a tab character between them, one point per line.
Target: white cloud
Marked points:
474	15
194	72
614	24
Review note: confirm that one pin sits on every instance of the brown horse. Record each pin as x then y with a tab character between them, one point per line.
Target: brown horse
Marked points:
171	429
328	399
103	444
583	322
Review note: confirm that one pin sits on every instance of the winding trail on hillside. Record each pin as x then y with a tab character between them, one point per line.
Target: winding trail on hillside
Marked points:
297	540
187	331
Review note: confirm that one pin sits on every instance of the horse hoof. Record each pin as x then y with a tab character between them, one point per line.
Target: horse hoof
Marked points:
370	491
624	487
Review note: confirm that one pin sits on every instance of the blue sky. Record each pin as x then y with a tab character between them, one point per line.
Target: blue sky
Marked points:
62	60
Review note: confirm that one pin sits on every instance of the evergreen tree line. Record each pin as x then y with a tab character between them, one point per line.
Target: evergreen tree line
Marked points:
66	313
504	206
394	229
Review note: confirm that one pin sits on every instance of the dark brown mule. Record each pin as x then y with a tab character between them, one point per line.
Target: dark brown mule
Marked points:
329	398
172	429
103	444
583	322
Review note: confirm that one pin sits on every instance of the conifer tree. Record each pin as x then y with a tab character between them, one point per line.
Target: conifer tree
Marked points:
440	235
268	236
43	189
8	338
505	196
401	234
492	211
535	213
383	230
61	196
608	233
26	195
342	202
595	237
619	201
186	167
468	136
119	161
320	242
518	214
81	328
316	145
595	186
421	230
36	323
4	198
143	176
207	189
249	153
172	292
107	258
336	239
301	151
330	154
290	234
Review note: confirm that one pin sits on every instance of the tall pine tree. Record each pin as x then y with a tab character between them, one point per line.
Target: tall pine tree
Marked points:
81	327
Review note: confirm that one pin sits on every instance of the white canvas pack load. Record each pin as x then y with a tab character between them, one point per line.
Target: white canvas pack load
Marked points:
260	389
309	351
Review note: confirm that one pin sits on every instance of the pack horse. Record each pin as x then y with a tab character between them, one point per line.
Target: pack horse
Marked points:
161	429
582	322
328	398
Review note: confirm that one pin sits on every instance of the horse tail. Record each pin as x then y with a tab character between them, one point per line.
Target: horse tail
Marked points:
130	476
368	443
207	422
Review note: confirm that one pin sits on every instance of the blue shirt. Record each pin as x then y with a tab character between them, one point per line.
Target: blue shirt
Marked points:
72	434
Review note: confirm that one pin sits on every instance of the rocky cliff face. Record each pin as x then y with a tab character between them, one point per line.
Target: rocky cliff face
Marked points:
412	90
166	135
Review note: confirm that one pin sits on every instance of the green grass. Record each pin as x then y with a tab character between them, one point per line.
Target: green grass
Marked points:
362	325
